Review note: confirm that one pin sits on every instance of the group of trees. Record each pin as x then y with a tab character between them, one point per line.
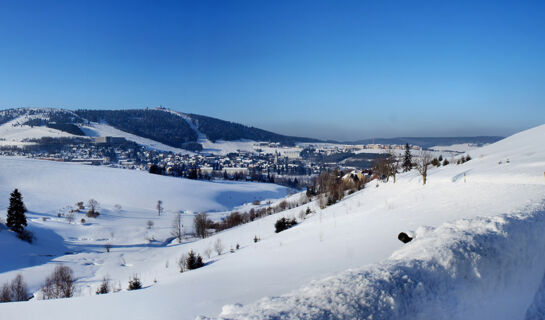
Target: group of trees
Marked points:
60	284
284	224
332	186
237	218
14	291
190	261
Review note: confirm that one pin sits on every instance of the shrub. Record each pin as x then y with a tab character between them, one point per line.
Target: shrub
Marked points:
218	246
70	217
104	287
284	224
92	214
194	261
60	284
82	221
182	263
26	235
80	205
208	252
134	283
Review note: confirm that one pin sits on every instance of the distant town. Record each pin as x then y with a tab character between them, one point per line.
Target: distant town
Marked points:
268	160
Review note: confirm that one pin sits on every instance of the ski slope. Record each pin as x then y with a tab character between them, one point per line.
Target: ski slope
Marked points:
477	252
13	133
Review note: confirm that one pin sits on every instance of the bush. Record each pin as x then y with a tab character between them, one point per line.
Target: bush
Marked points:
194	261
218	246
134	283
182	263
26	235
92	214
60	284
284	224
104	287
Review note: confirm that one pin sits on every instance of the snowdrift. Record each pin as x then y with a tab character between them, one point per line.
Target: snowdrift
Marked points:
482	268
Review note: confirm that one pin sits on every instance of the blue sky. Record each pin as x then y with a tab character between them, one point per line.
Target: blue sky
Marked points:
327	69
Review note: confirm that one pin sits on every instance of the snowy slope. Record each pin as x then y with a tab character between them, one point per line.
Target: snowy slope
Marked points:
460	225
14	132
218	147
94	129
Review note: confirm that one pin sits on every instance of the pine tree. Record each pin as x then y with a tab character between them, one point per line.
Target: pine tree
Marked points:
16	219
407	160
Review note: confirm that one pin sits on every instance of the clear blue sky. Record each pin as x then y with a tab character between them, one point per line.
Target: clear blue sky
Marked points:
335	69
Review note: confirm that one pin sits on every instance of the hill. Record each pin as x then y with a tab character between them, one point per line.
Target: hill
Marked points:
157	128
478	247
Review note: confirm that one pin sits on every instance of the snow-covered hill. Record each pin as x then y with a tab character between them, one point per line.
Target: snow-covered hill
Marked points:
15	130
151	128
478	251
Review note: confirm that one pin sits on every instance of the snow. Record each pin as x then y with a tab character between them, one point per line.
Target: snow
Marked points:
13	132
218	147
478	250
95	129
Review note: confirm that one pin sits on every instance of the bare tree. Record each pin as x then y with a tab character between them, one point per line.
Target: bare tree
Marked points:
19	290
70	217
201	225
182	263
177	227
218	246
14	291
392	165
5	293
159	207
92	204
208	252
422	163
60	284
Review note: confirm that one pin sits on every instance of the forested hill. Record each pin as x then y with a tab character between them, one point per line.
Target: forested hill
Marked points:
173	129
216	129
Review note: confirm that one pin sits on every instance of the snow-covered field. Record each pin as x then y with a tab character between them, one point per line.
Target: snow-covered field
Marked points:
478	251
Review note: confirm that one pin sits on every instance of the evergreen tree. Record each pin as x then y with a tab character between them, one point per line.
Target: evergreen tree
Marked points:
407	160
16	219
194	261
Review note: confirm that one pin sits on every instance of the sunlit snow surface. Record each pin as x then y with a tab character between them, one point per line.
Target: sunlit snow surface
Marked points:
478	251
